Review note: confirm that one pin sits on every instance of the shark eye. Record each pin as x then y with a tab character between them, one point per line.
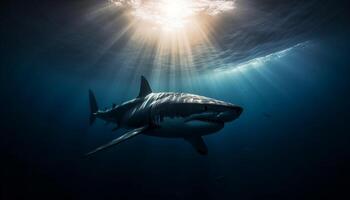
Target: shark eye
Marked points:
205	108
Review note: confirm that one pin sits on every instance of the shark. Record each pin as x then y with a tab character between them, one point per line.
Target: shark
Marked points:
167	115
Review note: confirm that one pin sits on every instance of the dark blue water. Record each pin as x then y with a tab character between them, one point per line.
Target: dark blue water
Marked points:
291	142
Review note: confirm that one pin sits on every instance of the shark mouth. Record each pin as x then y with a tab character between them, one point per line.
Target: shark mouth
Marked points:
211	121
216	117
212	117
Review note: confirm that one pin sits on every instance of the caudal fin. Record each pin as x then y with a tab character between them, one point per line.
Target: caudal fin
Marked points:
93	107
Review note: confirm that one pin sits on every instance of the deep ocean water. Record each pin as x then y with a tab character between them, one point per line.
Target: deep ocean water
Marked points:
285	62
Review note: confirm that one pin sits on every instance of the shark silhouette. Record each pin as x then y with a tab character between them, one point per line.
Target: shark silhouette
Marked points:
166	114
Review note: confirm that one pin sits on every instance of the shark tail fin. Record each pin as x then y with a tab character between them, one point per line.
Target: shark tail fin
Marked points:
93	107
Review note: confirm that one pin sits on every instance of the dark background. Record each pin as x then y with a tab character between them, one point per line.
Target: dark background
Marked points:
294	147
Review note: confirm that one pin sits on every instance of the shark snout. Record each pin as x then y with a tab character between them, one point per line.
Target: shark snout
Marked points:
238	110
230	113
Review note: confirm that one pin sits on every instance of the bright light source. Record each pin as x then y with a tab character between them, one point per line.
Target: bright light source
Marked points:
171	14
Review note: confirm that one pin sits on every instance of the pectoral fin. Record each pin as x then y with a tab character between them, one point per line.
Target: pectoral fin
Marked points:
120	139
198	144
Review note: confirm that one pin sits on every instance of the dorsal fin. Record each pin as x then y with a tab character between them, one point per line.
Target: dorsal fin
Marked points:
145	89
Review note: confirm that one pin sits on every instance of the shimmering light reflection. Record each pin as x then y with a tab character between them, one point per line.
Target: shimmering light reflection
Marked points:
177	40
260	61
167	36
170	14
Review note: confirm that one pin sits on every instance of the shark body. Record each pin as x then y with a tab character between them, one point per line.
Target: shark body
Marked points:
168	115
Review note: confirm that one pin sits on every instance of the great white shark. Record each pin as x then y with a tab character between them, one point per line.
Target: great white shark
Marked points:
166	114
